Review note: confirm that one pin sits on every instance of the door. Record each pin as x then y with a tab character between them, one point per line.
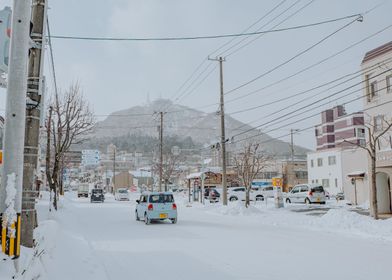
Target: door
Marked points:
142	206
294	194
383	193
303	193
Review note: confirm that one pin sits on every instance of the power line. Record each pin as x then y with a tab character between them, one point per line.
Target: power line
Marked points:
51	57
307	105
307	117
202	37
314	88
358	18
249	27
276	25
312	65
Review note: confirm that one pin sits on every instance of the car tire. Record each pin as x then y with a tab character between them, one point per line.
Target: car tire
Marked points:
259	198
147	221
288	200
174	221
307	201
233	198
137	216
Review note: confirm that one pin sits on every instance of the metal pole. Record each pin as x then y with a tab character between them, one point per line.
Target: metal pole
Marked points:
33	121
292	145
114	169
16	107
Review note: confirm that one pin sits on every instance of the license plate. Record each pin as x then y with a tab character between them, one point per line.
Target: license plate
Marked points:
162	216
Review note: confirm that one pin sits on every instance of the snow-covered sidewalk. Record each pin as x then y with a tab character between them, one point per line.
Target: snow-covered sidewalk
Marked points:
103	241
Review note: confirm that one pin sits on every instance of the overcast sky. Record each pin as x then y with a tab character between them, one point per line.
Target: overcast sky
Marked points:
119	75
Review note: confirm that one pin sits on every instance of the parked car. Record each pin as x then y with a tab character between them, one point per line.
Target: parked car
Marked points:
121	194
97	195
211	194
83	190
239	193
264	191
306	193
155	206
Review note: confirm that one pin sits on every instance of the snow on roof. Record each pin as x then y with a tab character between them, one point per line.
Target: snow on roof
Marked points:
194	175
356	174
140	173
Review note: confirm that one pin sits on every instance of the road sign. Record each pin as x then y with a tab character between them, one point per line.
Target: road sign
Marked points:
1	157
5	34
277	182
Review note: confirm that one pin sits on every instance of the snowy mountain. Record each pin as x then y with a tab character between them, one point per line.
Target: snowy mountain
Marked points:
183	122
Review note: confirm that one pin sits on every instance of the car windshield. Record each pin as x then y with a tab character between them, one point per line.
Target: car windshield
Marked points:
122	191
318	189
97	191
161	198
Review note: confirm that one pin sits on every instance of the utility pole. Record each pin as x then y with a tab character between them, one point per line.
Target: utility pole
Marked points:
33	121
161	151
15	124
223	136
114	168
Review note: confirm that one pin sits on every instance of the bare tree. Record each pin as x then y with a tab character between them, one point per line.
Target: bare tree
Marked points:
375	132
249	163
69	120
170	165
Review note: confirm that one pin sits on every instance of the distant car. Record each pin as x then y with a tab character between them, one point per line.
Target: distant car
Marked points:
306	193
97	195
155	206
239	193
211	194
339	196
264	191
327	195
121	194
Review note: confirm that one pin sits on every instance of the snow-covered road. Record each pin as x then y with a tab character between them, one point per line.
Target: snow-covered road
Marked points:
104	241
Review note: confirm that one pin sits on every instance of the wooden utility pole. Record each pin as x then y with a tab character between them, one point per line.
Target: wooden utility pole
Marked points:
160	151
33	121
223	136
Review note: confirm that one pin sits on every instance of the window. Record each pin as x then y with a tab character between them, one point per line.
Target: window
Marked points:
301	174
336	182
378	121
372	90
362	143
360	133
389	83
312	181
311	163
325	183
319	162
295	190
304	189
331	160
161	198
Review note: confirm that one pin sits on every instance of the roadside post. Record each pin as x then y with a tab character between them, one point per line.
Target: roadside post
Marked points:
278	195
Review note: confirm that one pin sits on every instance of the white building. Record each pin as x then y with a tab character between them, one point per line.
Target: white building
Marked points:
340	170
377	78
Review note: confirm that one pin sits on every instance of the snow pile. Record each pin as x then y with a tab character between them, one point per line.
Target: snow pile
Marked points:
10	216
342	220
236	209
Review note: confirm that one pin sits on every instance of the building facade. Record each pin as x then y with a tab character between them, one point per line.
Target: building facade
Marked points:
377	77
338	129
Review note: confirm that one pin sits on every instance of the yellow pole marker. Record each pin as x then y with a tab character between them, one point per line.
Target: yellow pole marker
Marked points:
12	242
18	237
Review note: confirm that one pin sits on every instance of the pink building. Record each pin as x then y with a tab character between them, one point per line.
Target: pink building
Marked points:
337	129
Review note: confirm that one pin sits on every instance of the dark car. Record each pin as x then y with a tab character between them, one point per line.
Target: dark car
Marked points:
212	194
97	195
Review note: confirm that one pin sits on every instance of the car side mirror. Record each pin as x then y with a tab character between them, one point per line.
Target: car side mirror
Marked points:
137	201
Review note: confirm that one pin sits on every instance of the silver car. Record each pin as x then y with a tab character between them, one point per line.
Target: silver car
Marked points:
306	193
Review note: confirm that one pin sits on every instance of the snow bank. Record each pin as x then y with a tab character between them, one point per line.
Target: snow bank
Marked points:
10	213
342	220
236	209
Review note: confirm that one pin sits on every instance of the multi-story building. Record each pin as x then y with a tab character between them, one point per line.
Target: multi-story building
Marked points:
337	129
332	164
377	77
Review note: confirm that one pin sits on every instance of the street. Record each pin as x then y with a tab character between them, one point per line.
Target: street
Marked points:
104	241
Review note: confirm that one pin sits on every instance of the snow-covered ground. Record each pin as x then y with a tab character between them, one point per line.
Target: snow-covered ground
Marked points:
104	241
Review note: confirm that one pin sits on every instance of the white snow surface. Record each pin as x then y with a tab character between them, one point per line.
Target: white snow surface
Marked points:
104	241
10	213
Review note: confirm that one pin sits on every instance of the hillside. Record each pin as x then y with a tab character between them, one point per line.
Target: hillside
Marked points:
180	122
